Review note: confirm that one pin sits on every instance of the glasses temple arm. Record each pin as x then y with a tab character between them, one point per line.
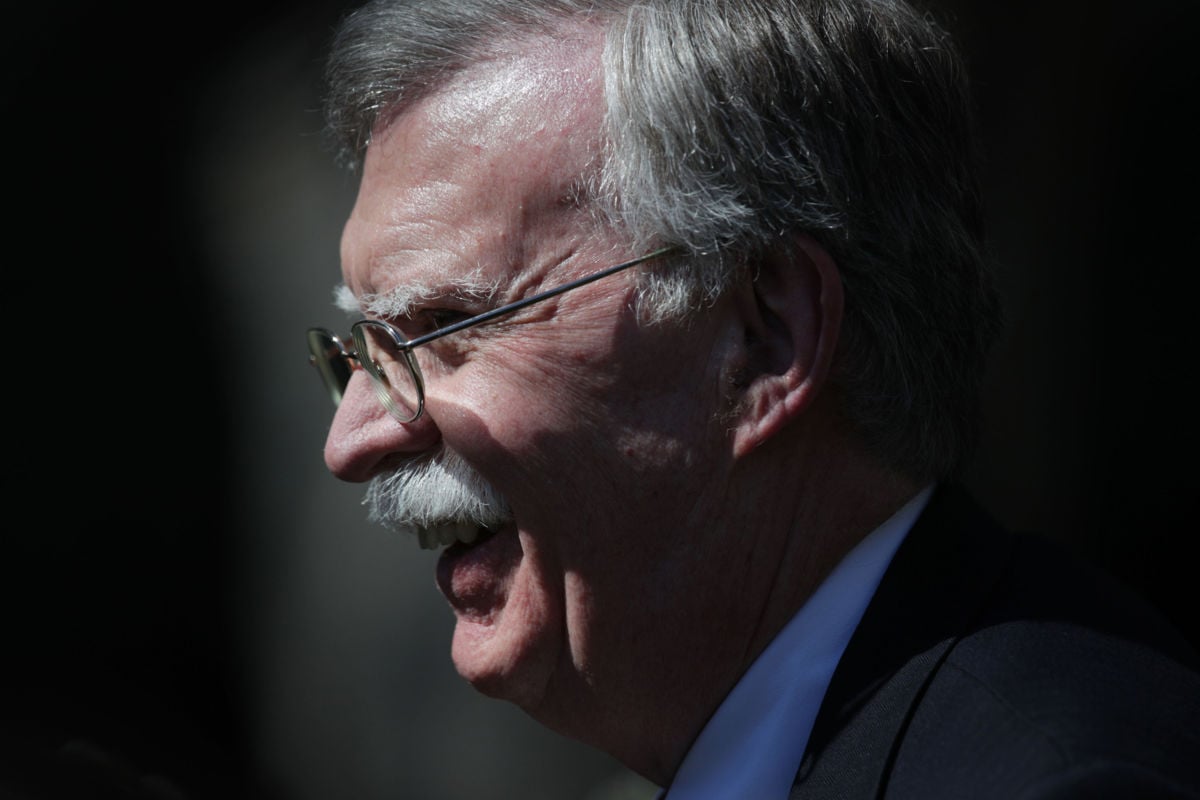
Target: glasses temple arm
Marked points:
519	304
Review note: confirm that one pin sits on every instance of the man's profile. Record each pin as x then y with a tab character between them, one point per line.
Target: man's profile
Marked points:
668	322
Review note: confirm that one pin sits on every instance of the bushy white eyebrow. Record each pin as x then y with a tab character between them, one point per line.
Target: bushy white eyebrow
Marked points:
401	301
344	299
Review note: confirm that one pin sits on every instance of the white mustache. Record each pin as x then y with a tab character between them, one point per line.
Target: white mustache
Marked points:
434	491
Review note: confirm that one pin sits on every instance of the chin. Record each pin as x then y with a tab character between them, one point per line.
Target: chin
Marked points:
509	621
512	655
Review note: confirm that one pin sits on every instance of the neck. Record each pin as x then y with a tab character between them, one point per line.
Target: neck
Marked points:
791	511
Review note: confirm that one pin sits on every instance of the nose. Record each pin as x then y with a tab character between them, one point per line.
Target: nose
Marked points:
366	440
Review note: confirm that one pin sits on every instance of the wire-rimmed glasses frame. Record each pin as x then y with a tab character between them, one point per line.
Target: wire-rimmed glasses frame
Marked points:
390	362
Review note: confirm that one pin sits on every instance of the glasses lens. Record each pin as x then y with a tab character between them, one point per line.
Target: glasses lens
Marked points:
392	369
331	361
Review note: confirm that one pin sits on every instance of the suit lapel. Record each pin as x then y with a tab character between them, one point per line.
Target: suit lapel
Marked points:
935	586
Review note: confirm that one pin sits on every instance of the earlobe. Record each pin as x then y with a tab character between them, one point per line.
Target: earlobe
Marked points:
791	314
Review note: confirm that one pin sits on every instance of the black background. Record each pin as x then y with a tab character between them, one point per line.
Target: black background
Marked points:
120	522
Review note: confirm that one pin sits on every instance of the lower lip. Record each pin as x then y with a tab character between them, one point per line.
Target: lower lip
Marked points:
473	577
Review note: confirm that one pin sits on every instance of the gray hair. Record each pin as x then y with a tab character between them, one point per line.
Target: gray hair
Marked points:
733	124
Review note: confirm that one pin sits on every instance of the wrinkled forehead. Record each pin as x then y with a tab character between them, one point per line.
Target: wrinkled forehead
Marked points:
542	89
545	81
491	167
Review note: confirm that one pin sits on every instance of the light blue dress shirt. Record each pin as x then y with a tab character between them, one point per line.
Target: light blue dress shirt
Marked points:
751	747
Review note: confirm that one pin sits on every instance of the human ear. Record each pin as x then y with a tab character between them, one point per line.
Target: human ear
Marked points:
790	309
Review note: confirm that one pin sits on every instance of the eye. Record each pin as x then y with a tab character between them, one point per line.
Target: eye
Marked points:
426	321
439	318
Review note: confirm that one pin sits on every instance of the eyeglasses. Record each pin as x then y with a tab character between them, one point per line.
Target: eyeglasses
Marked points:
389	359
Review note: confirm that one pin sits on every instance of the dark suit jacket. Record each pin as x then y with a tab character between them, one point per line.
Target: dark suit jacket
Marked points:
990	665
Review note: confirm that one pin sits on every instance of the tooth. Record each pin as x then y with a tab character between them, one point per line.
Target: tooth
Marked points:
431	538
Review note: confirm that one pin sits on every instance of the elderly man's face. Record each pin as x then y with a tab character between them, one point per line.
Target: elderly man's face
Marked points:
601	594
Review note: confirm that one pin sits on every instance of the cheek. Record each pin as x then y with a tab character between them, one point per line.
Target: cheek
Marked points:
627	581
528	424
588	421
522	394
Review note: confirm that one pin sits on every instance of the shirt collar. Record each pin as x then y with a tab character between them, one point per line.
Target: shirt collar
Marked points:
752	745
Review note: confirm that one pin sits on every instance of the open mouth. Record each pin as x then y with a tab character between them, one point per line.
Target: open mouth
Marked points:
474	576
478	537
456	536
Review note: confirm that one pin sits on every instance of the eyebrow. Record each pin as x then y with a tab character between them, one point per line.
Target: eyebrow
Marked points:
402	300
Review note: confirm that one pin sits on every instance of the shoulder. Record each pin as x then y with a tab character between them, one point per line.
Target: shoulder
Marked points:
992	665
1064	684
1047	708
